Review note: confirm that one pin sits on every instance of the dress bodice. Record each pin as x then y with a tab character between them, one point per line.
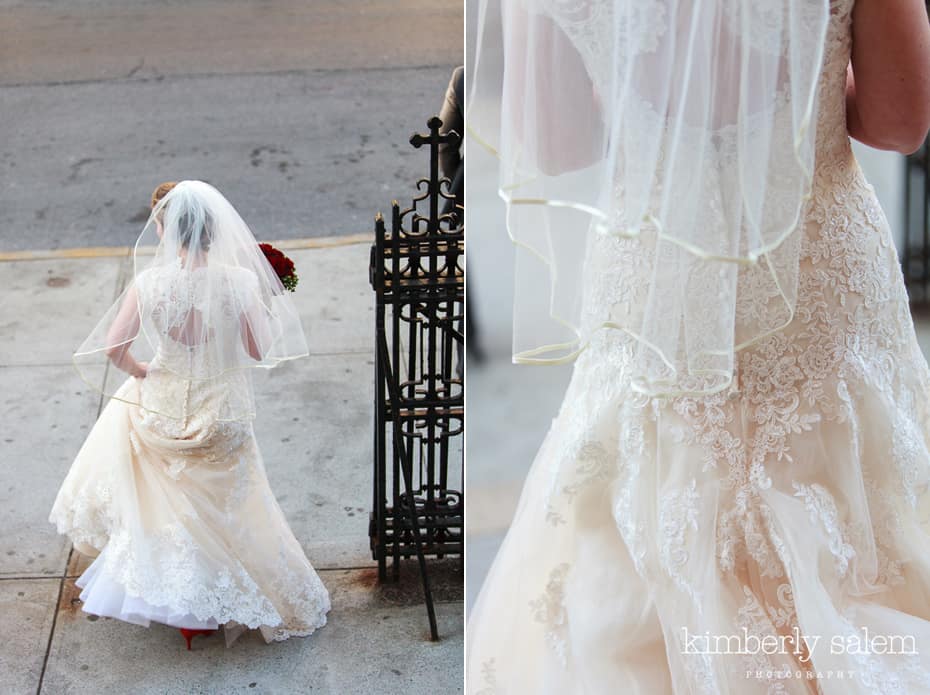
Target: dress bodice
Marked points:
192	318
618	271
832	137
193	313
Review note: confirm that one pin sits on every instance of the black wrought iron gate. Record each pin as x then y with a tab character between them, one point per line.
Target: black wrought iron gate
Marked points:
915	255
417	272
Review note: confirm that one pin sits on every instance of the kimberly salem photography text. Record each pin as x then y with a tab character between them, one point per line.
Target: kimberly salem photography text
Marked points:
802	646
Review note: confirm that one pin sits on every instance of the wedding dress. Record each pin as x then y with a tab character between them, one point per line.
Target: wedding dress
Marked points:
177	512
764	539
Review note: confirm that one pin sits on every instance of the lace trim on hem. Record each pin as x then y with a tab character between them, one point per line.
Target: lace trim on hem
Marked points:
233	597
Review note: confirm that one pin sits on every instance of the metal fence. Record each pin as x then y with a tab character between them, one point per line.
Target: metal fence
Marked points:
417	272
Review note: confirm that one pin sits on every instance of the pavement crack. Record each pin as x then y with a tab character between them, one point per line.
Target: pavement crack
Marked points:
136	69
51	633
208	74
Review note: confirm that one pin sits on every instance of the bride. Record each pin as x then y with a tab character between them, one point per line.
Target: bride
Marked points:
168	493
729	500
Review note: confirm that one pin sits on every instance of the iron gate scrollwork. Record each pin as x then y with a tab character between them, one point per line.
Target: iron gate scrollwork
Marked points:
417	273
915	256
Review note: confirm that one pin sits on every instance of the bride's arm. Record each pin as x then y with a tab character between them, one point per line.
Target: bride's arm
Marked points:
122	332
255	330
249	339
888	82
552	107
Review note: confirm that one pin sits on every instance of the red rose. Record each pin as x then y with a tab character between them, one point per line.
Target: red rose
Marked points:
281	264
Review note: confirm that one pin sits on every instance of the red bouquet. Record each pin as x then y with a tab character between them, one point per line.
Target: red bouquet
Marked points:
282	265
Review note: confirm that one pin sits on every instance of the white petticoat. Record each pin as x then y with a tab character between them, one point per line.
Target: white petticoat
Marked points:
102	595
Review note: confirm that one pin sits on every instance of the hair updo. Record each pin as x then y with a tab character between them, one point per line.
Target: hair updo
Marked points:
161	191
190	225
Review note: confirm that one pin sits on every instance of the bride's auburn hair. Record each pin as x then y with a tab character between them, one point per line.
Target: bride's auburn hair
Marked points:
161	191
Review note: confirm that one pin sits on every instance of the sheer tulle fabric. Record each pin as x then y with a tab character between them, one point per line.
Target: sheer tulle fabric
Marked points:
203	305
686	125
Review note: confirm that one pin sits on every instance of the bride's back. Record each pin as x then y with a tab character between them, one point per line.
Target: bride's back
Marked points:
193	306
202	309
195	317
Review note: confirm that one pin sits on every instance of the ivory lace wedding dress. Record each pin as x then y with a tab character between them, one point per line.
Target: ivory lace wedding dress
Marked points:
785	510
178	512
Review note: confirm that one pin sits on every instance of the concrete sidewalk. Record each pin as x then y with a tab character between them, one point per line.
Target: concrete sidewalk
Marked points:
314	429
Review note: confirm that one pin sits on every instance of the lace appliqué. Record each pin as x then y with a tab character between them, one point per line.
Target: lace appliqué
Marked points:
549	609
590	467
591	28
87	517
678	516
170	572
488	678
822	508
777	624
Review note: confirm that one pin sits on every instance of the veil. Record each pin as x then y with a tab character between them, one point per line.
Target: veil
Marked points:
682	132
202	308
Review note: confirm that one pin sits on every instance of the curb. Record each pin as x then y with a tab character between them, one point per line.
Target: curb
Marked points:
125	251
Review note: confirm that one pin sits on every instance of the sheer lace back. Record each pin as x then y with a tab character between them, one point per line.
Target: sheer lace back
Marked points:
197	316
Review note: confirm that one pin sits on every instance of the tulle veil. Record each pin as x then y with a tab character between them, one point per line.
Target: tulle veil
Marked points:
685	127
202	306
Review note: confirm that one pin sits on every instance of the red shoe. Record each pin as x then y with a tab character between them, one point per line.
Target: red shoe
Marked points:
190	633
